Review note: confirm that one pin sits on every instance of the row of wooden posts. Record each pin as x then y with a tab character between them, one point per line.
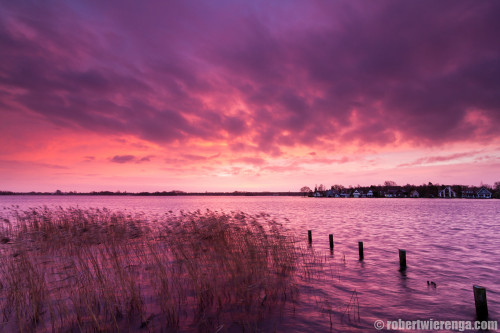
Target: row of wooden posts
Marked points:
479	292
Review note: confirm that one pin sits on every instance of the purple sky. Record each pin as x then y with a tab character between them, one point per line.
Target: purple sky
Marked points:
225	95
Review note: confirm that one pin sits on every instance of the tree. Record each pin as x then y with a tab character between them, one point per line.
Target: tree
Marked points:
496	186
305	189
338	187
390	183
321	188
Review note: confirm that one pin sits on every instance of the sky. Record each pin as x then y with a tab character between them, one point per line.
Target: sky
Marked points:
247	95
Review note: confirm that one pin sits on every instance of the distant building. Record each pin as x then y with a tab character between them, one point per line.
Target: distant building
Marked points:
414	194
447	192
468	193
369	194
332	193
356	194
483	193
391	193
345	194
401	194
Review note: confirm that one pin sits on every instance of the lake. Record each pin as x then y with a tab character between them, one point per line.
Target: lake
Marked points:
454	243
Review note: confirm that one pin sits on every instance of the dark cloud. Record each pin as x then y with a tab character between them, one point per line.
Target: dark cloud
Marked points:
122	159
146	159
378	73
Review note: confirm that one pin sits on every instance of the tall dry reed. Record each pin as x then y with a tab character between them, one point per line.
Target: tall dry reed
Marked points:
89	270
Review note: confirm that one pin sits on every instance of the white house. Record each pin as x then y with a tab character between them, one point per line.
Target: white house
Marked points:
369	194
356	194
483	193
447	192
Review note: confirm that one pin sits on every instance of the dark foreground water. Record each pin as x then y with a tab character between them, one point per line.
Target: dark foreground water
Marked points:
454	243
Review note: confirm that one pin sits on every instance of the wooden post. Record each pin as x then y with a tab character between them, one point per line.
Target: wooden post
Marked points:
402	259
309	236
361	255
331	241
481	303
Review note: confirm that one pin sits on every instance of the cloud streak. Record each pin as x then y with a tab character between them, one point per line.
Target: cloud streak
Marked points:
440	158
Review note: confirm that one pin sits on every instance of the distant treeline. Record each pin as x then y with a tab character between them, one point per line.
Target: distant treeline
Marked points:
428	190
157	193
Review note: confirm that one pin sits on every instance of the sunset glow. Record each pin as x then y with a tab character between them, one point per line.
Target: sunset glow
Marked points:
247	95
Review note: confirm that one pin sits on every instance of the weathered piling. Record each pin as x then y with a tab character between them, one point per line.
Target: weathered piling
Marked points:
402	259
330	236
361	254
309	236
481	303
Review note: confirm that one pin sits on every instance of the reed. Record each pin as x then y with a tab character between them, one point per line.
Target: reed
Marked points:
72	269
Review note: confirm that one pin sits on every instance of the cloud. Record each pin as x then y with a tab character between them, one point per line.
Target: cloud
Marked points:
261	80
8	164
192	157
122	159
256	161
145	159
439	158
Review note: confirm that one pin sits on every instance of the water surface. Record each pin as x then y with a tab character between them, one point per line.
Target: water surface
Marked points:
454	243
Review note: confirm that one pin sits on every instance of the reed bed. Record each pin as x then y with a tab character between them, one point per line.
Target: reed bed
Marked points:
96	270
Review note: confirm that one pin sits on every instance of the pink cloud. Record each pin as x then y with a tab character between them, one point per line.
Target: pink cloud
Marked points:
257	161
440	158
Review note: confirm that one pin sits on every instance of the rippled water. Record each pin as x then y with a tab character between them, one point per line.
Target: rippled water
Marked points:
454	243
